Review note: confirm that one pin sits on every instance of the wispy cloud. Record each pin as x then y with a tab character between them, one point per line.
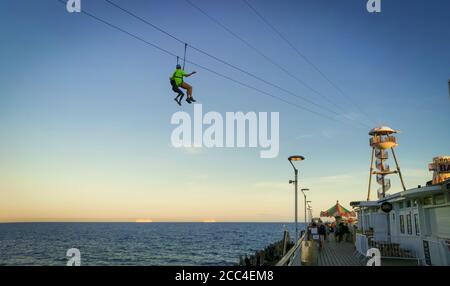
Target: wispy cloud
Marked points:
191	150
328	134
415	177
271	185
339	178
316	181
352	115
417	173
304	136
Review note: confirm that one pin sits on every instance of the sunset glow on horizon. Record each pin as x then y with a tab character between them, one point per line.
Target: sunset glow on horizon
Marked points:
85	110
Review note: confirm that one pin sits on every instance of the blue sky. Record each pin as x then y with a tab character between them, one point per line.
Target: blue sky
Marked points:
85	110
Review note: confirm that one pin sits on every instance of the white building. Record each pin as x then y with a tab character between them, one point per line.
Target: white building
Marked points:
412	224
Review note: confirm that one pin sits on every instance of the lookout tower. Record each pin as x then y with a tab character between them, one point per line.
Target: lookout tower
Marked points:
382	139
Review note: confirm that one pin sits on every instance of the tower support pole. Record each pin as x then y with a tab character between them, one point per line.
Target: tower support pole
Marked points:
398	169
383	187
370	173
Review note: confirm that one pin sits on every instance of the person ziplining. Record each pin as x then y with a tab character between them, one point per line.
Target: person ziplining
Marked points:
177	81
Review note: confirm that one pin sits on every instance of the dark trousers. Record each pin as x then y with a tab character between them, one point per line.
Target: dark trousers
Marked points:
175	88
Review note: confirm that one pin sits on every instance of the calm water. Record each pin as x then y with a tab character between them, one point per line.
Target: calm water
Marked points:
135	243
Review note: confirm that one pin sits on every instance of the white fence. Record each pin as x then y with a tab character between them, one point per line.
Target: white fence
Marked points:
398	247
361	244
426	250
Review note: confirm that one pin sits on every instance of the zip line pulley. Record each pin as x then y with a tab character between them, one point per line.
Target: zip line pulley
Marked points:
184	58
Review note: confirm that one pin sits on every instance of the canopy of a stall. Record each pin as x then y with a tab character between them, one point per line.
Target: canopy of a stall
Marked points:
337	211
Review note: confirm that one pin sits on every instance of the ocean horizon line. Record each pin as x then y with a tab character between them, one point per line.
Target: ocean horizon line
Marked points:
136	222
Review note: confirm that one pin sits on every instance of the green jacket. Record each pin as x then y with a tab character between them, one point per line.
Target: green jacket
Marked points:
178	76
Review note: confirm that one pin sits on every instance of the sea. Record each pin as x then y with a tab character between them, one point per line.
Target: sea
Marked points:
146	244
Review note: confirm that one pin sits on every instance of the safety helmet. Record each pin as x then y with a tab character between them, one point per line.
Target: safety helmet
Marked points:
178	66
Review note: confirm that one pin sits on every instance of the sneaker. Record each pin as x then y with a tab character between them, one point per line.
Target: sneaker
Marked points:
188	100
178	102
193	100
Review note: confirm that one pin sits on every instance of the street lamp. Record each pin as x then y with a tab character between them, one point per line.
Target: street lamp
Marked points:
309	210
304	195
295	182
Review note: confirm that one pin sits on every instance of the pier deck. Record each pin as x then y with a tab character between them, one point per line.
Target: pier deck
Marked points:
338	254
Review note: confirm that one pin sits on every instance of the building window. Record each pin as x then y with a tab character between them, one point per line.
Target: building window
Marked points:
408	203
416	224
402	224
428	201
400	205
408	223
439	199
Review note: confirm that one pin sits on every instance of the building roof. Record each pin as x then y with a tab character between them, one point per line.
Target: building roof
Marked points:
364	204
410	193
416	192
382	130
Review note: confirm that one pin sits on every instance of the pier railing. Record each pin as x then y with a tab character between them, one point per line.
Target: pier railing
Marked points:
427	251
293	256
361	244
396	247
400	247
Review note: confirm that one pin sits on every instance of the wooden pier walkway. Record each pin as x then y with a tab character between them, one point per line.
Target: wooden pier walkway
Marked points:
338	254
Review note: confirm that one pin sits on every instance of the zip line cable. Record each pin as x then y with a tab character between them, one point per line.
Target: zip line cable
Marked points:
306	59
203	67
221	60
263	55
249	45
283	38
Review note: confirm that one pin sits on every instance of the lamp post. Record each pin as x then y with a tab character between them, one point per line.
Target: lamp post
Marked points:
295	182
309	210
304	196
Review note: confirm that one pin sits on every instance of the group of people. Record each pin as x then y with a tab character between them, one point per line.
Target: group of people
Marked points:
341	231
